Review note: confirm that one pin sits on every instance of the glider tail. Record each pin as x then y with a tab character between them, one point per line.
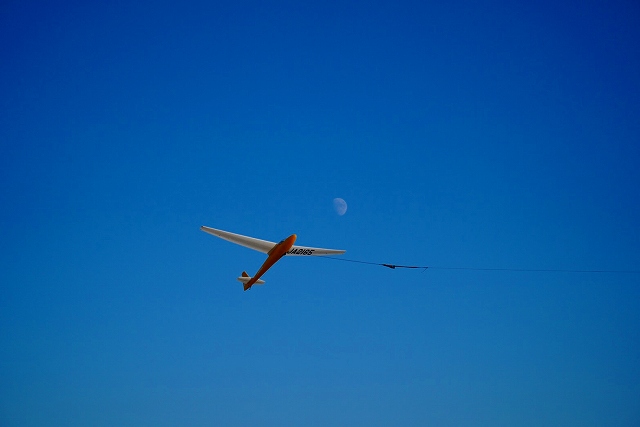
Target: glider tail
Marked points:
245	278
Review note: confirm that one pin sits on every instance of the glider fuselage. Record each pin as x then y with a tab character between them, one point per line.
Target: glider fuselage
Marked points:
274	255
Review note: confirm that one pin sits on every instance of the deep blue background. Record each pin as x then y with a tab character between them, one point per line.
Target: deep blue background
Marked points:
490	135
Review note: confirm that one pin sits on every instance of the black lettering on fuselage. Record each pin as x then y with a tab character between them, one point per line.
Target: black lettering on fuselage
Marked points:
301	252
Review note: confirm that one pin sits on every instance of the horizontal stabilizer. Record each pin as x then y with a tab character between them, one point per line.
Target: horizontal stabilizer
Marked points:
245	279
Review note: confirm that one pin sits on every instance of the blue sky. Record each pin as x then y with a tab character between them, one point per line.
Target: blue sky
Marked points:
487	135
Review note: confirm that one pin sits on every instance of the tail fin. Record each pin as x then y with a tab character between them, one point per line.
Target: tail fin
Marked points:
244	278
244	274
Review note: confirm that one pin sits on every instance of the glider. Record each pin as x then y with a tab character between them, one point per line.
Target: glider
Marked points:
274	251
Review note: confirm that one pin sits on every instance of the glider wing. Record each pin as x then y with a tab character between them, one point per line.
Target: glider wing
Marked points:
246	241
308	251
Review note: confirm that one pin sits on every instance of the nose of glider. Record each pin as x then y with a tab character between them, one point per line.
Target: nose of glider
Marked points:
291	240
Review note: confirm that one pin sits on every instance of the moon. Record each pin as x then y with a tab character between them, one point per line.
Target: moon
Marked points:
340	206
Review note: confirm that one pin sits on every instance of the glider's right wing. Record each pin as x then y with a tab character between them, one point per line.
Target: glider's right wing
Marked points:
246	241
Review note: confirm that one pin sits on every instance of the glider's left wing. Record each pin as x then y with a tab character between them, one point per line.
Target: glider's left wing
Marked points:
246	241
308	251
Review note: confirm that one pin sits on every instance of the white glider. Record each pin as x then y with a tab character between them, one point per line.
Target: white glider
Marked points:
274	251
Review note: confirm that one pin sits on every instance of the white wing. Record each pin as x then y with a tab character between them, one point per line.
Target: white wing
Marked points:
265	246
308	251
249	242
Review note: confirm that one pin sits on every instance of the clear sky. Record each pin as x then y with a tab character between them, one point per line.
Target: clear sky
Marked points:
476	134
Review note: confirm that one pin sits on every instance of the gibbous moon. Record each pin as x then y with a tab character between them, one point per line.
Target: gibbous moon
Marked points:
340	206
